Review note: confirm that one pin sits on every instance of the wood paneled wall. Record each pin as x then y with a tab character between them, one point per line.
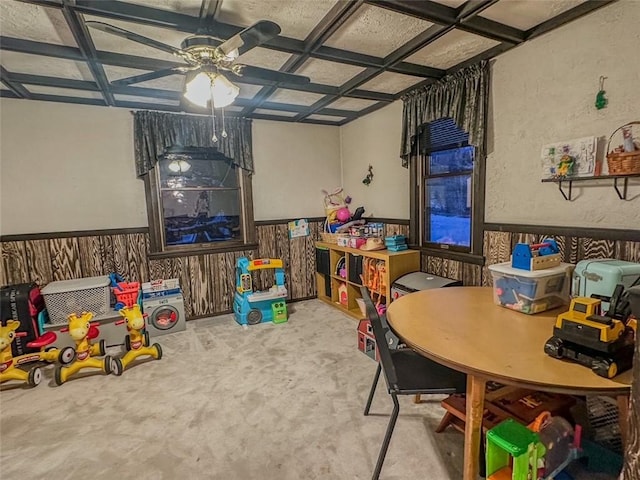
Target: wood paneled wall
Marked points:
497	248
208	281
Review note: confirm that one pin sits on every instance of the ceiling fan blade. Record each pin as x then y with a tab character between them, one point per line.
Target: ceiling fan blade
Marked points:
151	75
256	34
120	32
275	76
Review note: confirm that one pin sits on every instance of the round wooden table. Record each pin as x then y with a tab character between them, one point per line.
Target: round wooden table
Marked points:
462	328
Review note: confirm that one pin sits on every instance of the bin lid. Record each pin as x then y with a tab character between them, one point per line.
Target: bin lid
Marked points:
507	269
512	437
64	286
421	281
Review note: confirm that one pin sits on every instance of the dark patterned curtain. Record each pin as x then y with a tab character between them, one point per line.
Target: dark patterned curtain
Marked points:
154	132
461	96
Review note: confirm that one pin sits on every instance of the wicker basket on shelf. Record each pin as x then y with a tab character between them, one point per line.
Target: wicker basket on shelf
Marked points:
329	237
623	163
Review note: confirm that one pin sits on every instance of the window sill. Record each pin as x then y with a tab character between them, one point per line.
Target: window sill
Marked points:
452	255
203	250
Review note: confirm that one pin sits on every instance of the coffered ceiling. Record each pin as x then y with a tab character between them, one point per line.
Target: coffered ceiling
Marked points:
359	55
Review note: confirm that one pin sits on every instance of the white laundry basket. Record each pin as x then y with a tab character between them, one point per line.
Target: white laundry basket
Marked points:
62	298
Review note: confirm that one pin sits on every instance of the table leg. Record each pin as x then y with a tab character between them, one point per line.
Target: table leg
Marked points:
623	417
473	427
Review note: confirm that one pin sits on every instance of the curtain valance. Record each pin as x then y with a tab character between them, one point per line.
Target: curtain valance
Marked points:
154	132
461	96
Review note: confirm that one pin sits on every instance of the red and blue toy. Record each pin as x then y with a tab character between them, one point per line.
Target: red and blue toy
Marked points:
536	256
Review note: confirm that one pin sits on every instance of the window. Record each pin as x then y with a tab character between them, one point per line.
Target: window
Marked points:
198	200
445	204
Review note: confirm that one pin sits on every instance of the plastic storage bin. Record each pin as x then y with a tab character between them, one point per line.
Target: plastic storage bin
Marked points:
62	298
530	291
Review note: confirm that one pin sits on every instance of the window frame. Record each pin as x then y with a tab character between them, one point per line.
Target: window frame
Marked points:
424	207
157	245
417	196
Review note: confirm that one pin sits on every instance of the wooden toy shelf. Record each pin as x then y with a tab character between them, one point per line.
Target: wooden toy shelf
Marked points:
328	279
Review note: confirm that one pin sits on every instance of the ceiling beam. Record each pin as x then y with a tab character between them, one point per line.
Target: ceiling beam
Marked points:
13	85
338	14
473	7
441	14
83	39
55	82
40	48
568	16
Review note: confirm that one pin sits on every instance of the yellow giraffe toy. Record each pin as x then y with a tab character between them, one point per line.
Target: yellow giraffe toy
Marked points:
8	364
137	341
82	332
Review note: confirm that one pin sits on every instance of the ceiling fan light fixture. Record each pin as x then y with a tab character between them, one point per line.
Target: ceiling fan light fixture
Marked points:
205	87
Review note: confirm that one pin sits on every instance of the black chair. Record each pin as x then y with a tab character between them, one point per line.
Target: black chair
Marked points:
406	373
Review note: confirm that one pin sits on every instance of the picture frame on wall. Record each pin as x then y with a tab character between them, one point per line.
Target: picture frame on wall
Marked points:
571	158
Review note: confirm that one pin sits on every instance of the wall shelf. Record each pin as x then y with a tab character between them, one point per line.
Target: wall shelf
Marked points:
566	193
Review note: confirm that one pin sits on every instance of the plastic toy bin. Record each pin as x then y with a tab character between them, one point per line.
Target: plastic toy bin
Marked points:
62	298
530	291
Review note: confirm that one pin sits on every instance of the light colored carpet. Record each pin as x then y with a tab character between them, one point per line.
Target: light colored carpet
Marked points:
225	402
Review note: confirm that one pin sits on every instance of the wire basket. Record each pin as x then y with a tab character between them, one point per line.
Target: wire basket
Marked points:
623	163
127	293
604	422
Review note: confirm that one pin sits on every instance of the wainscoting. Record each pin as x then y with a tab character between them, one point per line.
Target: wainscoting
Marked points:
208	281
497	248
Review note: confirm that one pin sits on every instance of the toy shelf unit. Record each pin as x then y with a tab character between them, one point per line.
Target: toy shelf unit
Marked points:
339	272
620	183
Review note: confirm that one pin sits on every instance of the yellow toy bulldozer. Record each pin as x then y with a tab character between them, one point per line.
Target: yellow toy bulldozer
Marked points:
605	343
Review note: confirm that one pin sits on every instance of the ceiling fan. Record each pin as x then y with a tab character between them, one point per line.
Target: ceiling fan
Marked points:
210	62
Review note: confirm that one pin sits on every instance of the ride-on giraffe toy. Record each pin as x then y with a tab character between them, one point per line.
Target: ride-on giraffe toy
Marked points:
83	331
137	340
9	364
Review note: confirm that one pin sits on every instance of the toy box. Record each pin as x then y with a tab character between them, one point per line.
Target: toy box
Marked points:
601	277
530	291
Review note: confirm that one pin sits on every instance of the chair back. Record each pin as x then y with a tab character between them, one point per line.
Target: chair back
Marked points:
380	328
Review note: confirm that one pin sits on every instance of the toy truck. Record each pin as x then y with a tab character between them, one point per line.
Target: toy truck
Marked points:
583	335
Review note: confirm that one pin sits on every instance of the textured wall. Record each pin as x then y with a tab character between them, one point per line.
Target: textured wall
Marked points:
375	140
543	92
293	162
68	167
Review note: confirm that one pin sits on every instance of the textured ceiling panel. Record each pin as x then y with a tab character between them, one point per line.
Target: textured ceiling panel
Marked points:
136	98
296	17
388	82
294	97
328	73
376	31
172	82
39	27
186	7
112	43
51	67
328	118
247	90
525	14
265	58
63	92
31	22
451	49
451	3
353	104
275	112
